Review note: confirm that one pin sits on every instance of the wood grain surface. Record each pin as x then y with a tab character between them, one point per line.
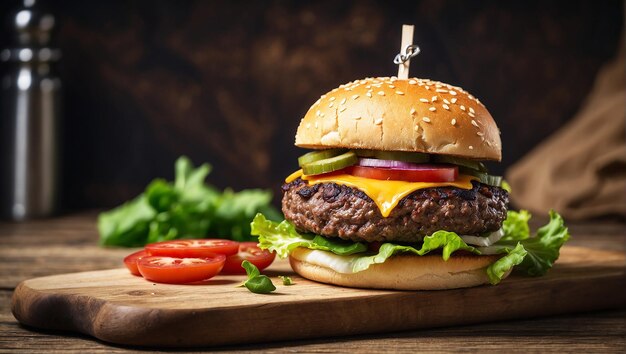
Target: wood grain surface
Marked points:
69	244
116	307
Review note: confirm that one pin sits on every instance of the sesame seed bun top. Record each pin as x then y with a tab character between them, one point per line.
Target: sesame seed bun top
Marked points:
392	114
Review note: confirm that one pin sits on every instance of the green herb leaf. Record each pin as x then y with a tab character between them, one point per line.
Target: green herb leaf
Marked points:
186	208
286	280
257	283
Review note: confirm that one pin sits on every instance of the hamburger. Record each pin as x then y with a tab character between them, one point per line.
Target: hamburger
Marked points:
395	194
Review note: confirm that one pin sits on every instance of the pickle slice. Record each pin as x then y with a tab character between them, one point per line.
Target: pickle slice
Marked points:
318	155
330	164
484	178
415	157
459	161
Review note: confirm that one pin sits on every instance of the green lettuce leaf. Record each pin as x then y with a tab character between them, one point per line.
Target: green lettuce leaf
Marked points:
515	226
532	255
543	249
283	238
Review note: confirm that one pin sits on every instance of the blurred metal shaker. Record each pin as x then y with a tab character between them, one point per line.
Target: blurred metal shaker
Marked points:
29	121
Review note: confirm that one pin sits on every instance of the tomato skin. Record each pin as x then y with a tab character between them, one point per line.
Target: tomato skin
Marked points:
251	252
427	173
193	248
172	270
131	261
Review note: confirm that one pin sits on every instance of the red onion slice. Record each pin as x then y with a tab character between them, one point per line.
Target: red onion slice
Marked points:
387	164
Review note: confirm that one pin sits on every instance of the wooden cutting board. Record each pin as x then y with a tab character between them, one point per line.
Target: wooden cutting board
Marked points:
116	307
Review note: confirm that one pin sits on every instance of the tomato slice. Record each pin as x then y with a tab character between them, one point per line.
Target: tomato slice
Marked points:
173	270
193	248
131	261
251	252
423	173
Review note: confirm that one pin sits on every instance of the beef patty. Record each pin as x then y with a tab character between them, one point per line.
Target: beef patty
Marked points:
334	210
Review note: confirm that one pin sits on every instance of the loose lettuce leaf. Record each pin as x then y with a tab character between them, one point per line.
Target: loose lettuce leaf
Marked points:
186	208
533	255
126	225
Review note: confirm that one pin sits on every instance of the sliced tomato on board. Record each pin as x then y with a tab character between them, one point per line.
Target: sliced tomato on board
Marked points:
193	248
131	261
422	173
248	251
174	270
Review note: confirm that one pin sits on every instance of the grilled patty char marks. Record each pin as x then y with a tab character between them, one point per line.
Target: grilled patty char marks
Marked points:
334	210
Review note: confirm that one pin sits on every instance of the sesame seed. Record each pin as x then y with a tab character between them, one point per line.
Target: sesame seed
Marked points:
412	112
432	109
316	125
453	100
472	114
453	93
471	147
434	98
479	134
342	109
446	106
330	105
446	101
321	114
334	90
308	125
441	90
475	124
487	142
392	86
357	117
463	108
378	121
369	94
355	97
416	128
318	113
426	119
400	93
382	93
438	85
424	100
427	87
412	82
343	101
453	121
368	86
472	110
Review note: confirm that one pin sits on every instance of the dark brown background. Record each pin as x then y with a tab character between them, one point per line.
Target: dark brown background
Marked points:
228	81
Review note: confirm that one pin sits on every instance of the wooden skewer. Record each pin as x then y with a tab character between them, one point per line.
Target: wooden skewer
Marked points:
407	40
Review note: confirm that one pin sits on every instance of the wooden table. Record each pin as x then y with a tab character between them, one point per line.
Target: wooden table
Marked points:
69	244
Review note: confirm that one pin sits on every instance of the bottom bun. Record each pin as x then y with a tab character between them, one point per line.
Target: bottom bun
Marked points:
401	272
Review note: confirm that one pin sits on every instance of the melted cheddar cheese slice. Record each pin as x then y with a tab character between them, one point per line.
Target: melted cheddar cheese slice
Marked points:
386	194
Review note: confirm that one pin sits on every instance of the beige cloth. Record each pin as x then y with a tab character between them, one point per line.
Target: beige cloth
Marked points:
580	171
